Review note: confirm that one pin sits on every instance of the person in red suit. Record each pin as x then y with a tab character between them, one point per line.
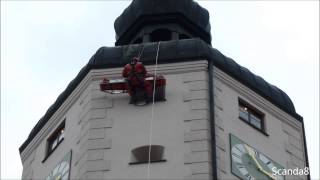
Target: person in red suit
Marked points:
135	73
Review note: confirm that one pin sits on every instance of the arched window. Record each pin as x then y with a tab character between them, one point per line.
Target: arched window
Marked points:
160	35
183	36
140	155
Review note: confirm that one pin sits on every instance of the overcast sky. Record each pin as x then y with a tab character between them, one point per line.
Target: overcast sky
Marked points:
45	44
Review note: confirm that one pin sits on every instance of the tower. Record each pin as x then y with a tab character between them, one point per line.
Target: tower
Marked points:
219	120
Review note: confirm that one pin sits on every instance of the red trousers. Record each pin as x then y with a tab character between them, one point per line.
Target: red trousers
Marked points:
138	83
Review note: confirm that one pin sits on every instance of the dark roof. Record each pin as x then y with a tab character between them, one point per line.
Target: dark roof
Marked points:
170	52
141	12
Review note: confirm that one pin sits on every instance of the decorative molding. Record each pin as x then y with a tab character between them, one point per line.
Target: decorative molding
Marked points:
197	157
198	146
92	166
206	176
201	168
195	95
196	115
164	69
196	120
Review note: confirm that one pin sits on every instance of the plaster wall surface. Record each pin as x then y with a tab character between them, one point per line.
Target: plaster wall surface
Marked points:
36	164
102	129
283	141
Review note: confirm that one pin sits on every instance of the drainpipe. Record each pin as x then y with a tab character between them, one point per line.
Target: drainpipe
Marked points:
212	121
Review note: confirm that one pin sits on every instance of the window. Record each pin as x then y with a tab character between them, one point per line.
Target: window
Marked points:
251	115
160	35
140	155
55	139
183	36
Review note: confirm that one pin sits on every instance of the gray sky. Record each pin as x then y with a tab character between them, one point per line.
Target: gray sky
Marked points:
45	44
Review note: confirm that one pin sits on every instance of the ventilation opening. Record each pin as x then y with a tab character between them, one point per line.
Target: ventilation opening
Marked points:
140	155
183	36
160	35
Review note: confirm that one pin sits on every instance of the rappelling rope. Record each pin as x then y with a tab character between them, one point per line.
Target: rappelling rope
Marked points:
152	109
140	54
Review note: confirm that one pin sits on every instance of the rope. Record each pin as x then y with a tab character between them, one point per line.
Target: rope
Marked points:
152	110
140	54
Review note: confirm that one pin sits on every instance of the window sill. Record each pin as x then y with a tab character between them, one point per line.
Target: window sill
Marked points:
260	130
146	162
48	154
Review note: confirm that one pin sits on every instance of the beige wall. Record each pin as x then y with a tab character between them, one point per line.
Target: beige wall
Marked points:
102	129
284	143
34	154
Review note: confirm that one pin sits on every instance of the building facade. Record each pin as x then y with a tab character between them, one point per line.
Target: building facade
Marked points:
219	120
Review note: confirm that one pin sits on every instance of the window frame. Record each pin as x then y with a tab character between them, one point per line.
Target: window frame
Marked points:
144	148
58	135
252	111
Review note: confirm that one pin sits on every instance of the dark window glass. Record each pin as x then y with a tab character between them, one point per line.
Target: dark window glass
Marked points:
160	35
140	155
251	115
55	139
243	113
53	144
183	36
254	120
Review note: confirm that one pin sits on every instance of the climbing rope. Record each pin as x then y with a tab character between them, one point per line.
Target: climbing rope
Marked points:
152	109
140	54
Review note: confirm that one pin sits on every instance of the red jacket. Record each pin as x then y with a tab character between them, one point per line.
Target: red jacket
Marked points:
136	74
138	69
